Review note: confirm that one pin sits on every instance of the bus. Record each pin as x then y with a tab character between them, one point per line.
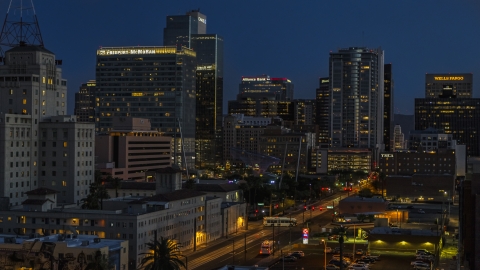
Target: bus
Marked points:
279	221
266	248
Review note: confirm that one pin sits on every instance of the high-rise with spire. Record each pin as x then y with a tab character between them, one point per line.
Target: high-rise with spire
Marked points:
35	137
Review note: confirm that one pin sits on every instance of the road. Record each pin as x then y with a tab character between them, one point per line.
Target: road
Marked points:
220	254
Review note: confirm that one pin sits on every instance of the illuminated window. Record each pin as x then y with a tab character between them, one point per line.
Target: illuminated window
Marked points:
65	144
43	79
24	101
64	183
11	91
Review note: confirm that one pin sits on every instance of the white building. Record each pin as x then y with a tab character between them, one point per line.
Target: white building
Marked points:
34	99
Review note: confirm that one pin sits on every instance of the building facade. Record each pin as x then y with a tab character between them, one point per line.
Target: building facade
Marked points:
430	140
209	104
85	102
456	116
388	101
281	88
156	83
357	96
347	159
399	142
322	116
131	149
67	157
459	85
180	29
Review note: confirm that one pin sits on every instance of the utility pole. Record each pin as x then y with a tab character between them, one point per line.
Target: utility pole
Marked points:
245	247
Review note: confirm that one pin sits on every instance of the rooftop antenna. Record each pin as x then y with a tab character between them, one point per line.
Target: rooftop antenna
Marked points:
18	30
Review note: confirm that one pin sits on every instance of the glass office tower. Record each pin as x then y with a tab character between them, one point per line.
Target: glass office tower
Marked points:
357	93
180	28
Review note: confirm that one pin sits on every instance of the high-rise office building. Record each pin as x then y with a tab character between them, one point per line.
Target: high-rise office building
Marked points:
85	102
181	28
398	139
280	88
459	85
190	30
157	83
37	145
388	114
209	103
322	116
357	96
456	116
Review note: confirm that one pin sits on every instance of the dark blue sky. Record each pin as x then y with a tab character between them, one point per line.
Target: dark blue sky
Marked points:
277	37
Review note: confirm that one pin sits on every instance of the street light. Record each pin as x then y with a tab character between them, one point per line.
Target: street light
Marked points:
233	251
325	254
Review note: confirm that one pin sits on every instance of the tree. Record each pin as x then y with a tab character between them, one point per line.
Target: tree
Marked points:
99	262
94	199
164	255
365	192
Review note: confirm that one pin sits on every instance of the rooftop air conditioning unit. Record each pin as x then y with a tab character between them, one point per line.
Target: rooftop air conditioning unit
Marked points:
85	243
96	240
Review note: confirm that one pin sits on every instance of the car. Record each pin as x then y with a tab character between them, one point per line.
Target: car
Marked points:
328	250
410	207
336	250
298	254
366	260
372	258
289	259
359	252
424	266
333	237
358	267
331	267
413	263
424	258
421	250
365	264
420	211
337	263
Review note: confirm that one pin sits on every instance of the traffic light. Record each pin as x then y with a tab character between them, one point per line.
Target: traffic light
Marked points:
313	207
305	207
256	210
321	209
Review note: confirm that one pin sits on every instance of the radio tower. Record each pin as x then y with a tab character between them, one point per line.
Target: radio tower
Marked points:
20	28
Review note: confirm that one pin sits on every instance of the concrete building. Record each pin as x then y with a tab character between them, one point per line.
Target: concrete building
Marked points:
161	89
281	88
459	85
420	187
185	215
278	142
60	251
399	142
67	157
450	161
131	150
453	115
227	192
242	132
131	188
348	159
85	102
388	106
430	139
40	146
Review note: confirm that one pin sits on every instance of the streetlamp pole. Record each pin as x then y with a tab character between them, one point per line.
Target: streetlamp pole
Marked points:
233	251
325	254
273	234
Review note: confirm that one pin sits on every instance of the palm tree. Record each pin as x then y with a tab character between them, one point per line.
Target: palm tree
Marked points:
99	262
164	255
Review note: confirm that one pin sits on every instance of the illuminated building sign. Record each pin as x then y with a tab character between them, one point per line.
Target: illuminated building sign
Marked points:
137	50
325	81
202	20
209	67
255	79
386	155
449	78
91	84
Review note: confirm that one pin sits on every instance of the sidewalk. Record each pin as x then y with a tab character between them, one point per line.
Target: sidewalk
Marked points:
448	260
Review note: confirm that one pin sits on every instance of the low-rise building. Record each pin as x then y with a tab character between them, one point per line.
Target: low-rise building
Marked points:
356	205
420	187
341	159
132	150
61	251
383	239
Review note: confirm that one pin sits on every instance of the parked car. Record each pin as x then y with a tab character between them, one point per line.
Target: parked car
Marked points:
359	252
289	259
424	266
336	250
413	263
410	207
332	267
337	263
420	211
358	267
328	250
298	254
